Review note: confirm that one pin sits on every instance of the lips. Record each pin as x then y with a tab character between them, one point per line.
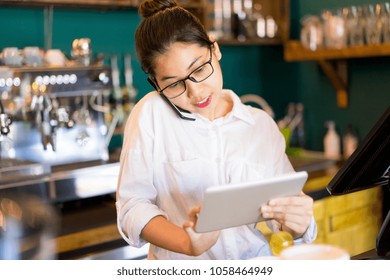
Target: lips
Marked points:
203	103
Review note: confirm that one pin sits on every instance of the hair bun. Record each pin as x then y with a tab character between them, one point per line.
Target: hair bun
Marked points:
150	7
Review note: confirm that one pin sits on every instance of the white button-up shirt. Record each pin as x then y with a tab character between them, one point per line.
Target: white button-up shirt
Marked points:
167	163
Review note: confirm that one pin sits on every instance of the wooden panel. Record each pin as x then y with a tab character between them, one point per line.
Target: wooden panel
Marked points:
344	203
103	4
370	214
87	238
356	239
349	221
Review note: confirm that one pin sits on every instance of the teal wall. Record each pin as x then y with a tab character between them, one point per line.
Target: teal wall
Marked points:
247	69
369	83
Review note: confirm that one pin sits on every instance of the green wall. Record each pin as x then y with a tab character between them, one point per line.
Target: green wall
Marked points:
369	84
247	69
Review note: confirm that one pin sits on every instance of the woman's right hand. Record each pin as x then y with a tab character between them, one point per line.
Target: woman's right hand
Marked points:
200	242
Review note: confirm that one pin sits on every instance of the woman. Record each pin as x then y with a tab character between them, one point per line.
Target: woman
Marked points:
190	134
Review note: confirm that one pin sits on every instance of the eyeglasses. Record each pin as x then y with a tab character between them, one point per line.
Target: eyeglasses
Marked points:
197	76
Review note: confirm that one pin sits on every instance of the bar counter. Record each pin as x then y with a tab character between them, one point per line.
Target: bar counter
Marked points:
89	230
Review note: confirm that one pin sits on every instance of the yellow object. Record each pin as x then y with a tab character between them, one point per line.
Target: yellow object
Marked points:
350	221
280	241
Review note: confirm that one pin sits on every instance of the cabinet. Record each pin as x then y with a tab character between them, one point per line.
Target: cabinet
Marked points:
350	221
218	14
334	62
210	12
100	4
244	22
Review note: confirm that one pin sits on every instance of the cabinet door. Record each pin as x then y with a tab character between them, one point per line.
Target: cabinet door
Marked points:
247	21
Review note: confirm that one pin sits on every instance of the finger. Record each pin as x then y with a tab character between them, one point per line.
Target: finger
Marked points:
291	218
288	217
193	214
297	200
296	210
187	224
297	224
298	228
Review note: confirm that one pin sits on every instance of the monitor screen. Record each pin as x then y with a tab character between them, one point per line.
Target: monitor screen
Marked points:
369	166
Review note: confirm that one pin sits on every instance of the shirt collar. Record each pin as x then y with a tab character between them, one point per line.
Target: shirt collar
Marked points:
239	109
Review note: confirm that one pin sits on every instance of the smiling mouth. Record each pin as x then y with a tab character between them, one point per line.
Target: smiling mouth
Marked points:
203	103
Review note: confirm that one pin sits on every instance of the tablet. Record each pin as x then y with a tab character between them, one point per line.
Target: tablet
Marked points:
234	205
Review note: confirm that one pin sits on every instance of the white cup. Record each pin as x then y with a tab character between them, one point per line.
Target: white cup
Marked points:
55	57
32	56
12	57
314	252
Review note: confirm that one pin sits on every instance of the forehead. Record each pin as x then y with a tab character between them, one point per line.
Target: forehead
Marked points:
177	60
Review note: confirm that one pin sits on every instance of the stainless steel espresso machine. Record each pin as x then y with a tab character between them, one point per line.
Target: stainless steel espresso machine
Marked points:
54	136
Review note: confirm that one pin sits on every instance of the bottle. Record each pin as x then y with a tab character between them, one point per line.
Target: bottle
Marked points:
350	142
279	241
332	142
284	123
297	128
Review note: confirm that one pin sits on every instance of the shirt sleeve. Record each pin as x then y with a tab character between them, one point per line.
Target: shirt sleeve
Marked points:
136	194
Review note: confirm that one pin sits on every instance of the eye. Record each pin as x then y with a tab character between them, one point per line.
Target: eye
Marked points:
199	70
174	85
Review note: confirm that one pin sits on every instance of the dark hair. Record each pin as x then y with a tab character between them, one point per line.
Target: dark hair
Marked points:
164	23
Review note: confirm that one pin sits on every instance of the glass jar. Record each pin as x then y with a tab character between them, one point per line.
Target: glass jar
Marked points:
373	26
386	22
311	32
335	34
354	22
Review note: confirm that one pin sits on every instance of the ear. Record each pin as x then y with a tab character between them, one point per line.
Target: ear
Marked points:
216	50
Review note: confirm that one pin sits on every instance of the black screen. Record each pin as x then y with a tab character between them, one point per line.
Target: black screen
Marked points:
369	166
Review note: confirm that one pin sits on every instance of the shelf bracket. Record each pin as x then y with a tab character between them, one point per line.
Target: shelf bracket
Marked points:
337	73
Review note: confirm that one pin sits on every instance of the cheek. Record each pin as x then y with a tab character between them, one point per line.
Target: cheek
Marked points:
217	79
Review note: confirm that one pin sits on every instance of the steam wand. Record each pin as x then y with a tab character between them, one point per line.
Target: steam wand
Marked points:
5	122
42	105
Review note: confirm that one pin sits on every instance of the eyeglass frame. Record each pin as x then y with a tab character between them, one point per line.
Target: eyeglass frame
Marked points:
179	111
154	83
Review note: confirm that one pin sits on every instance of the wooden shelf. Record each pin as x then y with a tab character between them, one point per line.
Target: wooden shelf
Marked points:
88	4
334	62
250	42
294	51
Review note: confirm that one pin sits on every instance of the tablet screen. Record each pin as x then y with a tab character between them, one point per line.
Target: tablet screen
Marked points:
234	205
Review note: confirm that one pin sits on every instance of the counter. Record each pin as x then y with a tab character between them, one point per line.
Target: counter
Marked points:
88	228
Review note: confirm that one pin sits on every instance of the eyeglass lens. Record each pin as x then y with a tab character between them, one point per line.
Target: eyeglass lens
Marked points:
198	75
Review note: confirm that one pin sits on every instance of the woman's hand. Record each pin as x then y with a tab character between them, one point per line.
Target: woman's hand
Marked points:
200	242
294	213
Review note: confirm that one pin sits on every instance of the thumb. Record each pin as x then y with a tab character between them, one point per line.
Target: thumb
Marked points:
188	225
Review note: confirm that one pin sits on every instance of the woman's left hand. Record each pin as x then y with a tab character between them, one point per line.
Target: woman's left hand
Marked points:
294	213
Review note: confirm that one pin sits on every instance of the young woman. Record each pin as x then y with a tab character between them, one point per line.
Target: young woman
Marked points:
189	134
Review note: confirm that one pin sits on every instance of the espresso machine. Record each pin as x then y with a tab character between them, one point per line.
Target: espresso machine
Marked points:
54	134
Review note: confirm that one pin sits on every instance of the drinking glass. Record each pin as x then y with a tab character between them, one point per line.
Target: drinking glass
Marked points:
373	26
334	29
311	32
354	22
386	22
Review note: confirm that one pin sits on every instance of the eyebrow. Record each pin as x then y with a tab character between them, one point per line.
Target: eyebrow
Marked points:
188	68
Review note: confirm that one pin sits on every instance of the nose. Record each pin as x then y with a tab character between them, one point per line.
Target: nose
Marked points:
193	89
